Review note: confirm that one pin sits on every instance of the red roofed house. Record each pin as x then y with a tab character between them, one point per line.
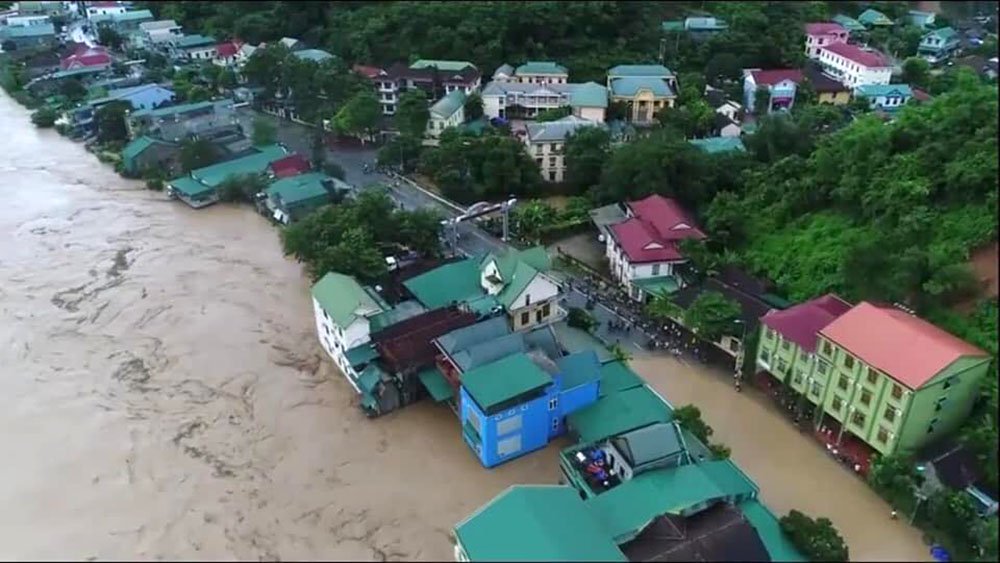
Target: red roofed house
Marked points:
642	250
881	374
854	66
292	165
226	54
822	34
780	85
86	57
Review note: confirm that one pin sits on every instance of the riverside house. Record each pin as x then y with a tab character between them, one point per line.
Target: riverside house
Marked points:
175	123
198	189
292	198
876	373
343	309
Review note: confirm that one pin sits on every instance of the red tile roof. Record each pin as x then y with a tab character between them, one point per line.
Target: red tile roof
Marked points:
651	235
772	77
85	56
228	49
907	348
824	28
870	59
368	71
292	165
801	323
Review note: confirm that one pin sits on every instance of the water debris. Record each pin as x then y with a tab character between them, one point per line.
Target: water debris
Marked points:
121	263
133	371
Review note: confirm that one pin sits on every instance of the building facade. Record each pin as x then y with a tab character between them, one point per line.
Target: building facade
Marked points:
854	66
546	143
819	35
939	45
885	97
343	308
643	89
780	86
447	112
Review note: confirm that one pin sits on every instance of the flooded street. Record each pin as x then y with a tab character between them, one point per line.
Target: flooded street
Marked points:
163	394
792	470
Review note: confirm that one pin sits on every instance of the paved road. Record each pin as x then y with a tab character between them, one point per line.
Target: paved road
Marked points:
298	138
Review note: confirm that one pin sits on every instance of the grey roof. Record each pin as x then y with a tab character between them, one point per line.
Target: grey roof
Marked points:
651	443
158	24
543	339
499	88
590	94
503	70
542	360
448	105
490	351
460	339
603	217
557	130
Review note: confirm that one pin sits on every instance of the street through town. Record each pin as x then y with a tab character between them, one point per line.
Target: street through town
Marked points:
164	395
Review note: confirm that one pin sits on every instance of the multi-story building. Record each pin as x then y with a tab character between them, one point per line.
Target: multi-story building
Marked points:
447	112
939	44
533	72
890	379
643	252
436	78
819	35
546	143
644	89
828	90
525	100
854	66
98	9
156	34
193	48
780	86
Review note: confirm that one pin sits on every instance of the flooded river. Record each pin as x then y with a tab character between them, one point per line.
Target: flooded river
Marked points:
792	470
163	394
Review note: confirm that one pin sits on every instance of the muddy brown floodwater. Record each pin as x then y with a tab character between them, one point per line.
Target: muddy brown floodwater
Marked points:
162	393
792	470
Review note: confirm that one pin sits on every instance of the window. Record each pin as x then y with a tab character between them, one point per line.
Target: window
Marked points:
827	349
782	365
527	299
890	414
555	424
768	333
553	403
786	345
508	425
940	404
546	309
656	269
816	388
897	392
947	383
765	356
552	176
848	361
872	376
842	383
798	377
882	436
525	318
821	367
836	404
538	161
509	446
858	418
552	161
866	397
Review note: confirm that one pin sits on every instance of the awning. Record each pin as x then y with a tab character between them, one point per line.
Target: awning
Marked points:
436	384
657	286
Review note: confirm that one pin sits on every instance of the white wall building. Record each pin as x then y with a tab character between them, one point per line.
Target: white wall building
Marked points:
104	9
343	308
26	21
447	112
853	66
546	143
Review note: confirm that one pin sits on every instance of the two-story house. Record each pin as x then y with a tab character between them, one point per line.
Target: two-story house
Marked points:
342	308
850	24
780	86
517	404
436	78
533	72
98	9
157	34
939	44
546	143
854	66
643	252
822	34
511	99
644	89
885	97
447	112
828	90
889	378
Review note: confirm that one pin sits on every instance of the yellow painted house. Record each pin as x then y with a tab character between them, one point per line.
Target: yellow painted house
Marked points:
645	89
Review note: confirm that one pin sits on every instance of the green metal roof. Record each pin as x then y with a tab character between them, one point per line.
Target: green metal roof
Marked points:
133	15
848	23
876	90
251	164
343	298
171	110
300	189
632	85
628	508
542	67
451	66
196	40
658	285
362	354
518	268
579	368
448	105
874	17
190	187
17	32
589	95
436	384
769	529
137	146
640	70
945	33
714	145
369	378
616	376
618	413
536	523
504	379
672	25
454	282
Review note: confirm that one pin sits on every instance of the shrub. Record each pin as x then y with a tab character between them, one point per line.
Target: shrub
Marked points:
45	117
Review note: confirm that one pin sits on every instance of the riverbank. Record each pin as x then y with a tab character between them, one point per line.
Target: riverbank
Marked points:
167	397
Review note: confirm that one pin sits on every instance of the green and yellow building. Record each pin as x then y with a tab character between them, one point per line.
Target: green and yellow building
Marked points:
891	379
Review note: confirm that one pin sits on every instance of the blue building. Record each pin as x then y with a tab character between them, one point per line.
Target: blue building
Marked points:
518	403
